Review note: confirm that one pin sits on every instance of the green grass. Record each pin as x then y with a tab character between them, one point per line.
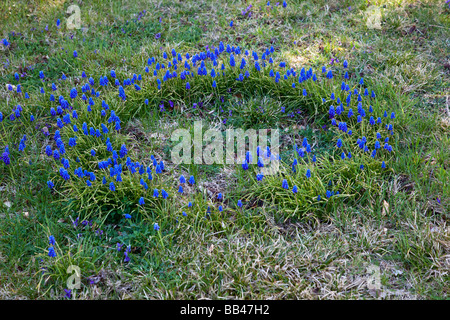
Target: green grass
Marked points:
277	246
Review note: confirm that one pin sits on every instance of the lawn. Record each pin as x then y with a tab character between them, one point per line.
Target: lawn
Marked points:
349	101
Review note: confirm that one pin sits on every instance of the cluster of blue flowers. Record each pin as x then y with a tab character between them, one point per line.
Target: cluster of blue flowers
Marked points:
343	120
114	163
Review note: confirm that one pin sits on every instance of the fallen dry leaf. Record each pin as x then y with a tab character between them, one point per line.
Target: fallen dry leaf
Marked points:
385	209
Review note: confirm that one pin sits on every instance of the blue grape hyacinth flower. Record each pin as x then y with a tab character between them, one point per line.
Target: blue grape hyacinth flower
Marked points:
308	173
50	184
51	252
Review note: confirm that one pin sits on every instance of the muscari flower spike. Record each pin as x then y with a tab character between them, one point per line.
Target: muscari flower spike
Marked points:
51	252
